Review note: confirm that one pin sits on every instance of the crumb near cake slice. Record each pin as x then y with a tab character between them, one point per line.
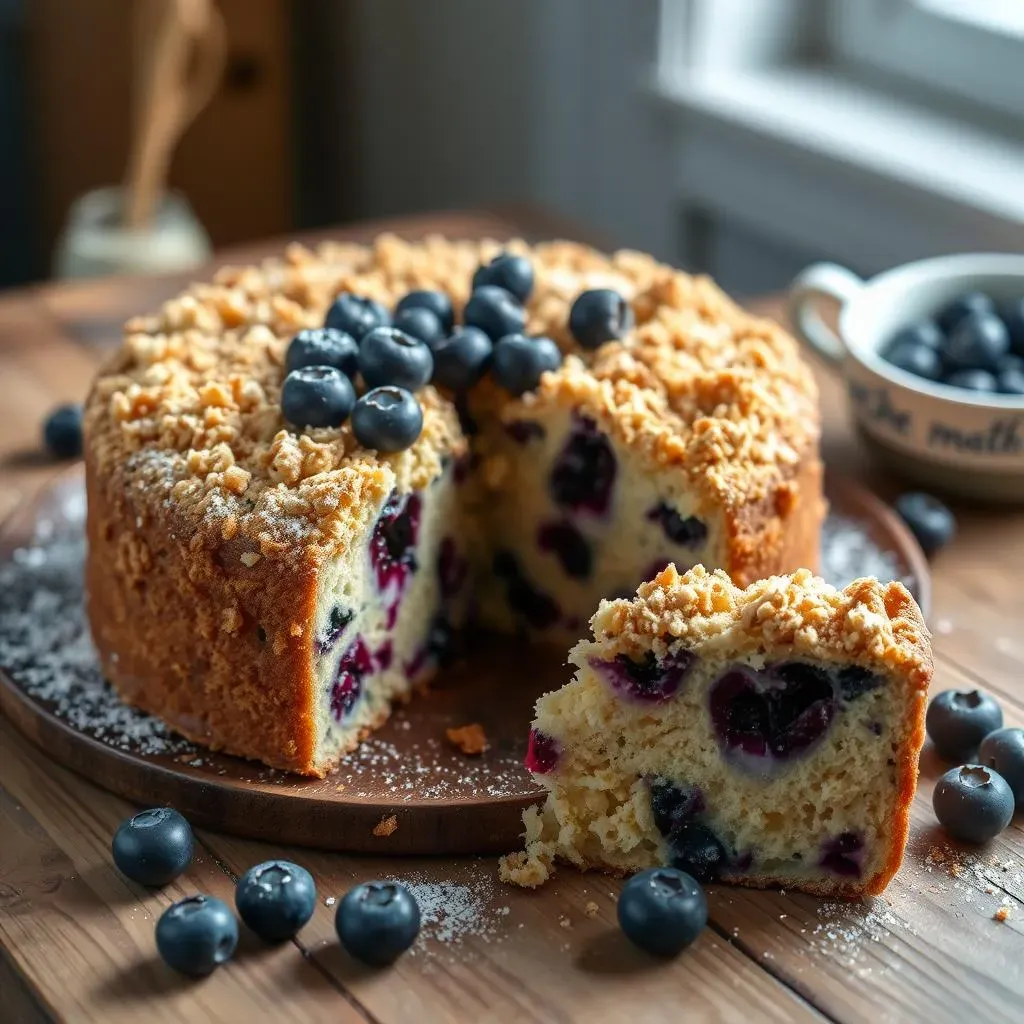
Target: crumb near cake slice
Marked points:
762	736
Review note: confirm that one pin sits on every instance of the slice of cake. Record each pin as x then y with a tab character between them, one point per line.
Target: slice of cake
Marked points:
762	736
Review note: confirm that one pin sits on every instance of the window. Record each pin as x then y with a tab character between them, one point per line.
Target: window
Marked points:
971	49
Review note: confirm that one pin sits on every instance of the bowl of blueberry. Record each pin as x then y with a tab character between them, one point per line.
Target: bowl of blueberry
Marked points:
932	354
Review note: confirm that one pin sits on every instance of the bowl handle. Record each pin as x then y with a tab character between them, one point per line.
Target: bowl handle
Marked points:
828	280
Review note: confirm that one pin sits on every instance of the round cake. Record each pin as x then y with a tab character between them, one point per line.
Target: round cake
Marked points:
271	590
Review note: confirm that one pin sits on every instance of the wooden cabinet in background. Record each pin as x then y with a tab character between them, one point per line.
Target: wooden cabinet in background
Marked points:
235	163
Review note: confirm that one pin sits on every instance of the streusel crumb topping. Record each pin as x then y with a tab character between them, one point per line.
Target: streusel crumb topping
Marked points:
194	391
875	624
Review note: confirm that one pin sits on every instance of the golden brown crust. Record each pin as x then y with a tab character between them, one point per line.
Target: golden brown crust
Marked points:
874	624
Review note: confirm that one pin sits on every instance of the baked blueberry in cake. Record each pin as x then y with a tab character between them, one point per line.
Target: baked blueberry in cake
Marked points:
762	736
305	477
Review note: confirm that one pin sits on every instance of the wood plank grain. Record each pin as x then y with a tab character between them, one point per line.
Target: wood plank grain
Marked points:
537	956
84	934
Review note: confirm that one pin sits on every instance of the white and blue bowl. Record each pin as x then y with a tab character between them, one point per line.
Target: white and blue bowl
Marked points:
945	438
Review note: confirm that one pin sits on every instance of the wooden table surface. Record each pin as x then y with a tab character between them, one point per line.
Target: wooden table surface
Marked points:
76	938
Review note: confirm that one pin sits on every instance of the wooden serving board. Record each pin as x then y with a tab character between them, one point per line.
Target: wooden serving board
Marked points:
406	791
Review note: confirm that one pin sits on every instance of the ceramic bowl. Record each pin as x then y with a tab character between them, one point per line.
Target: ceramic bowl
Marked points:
944	438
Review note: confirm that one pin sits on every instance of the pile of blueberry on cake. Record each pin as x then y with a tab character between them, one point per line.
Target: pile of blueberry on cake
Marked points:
304	476
762	736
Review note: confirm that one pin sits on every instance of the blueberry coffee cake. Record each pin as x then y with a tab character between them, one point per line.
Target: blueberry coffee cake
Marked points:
762	736
303	476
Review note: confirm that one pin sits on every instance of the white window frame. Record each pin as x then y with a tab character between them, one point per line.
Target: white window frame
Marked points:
941	44
824	153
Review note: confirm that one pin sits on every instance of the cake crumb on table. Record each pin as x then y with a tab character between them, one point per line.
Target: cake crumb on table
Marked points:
591	909
386	826
470	739
1001	915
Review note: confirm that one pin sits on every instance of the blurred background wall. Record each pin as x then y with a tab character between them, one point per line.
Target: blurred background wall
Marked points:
744	137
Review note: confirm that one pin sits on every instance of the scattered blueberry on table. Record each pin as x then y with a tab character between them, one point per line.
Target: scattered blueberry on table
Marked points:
519	362
196	935
275	899
662	910
508	271
323	346
62	432
1003	750
355	315
437	302
599	315
317	396
965	346
957	721
154	846
930	521
388	355
495	311
388	419
462	359
973	803
377	922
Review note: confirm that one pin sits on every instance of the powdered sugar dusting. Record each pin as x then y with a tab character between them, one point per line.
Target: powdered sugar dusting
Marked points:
451	912
848	552
45	644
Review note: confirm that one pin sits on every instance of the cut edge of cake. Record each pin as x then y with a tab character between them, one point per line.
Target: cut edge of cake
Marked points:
762	736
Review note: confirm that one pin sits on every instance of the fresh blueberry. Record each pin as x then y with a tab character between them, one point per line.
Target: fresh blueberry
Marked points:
153	847
957	721
973	803
421	323
972	380
689	532
536	608
649	679
355	315
513	273
568	545
388	419
973	302
542	753
495	311
461	360
916	358
377	922
390	356
437	302
977	342
697	851
1013	317
1010	375
196	935
62	432
1004	751
922	332
931	522
844	854
673	806
317	396
519	362
599	315
323	346
776	713
662	910
275	899
583	474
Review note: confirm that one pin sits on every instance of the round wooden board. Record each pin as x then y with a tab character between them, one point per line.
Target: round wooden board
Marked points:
441	800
